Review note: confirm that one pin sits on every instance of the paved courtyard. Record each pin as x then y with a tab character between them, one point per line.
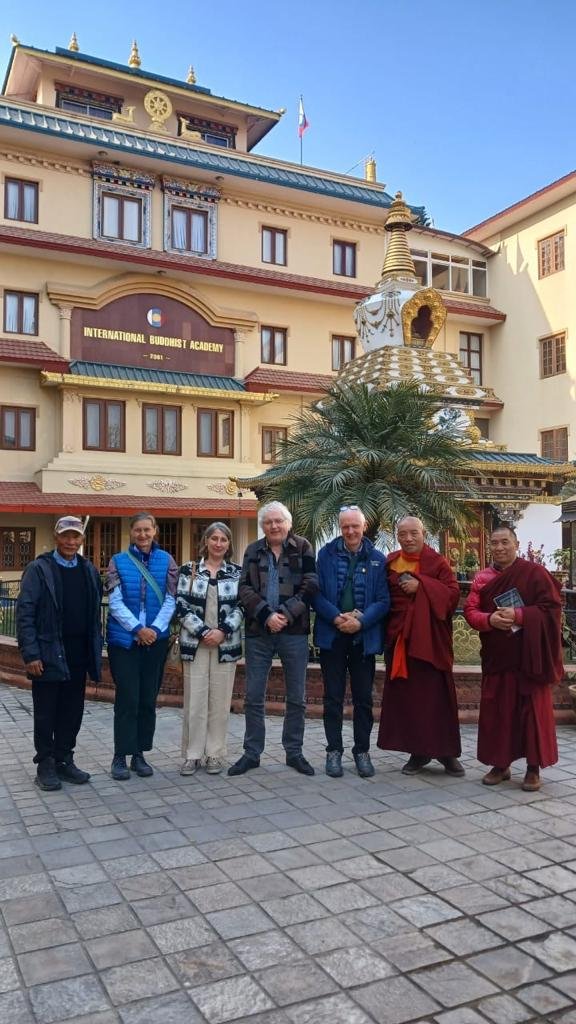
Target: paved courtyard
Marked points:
278	899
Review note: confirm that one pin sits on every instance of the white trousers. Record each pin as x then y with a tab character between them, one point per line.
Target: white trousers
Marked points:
208	688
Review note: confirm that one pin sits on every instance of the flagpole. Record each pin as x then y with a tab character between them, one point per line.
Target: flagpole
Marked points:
301	139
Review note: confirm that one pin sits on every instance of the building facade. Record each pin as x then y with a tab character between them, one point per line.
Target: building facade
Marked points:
170	299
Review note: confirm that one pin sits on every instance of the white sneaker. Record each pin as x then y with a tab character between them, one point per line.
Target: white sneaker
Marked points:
189	767
213	765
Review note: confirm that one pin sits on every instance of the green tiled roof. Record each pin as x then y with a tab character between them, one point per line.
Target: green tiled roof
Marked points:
521	458
148	376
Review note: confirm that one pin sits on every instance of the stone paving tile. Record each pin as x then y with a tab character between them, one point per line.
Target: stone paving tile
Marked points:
395	1001
355	966
239	921
556	911
295	909
505	1010
464	937
29	908
9	978
425	910
291	983
557	951
126	947
204	964
175	1008
453	984
62	999
136	981
53	964
266	950
508	967
233	999
42	934
543	998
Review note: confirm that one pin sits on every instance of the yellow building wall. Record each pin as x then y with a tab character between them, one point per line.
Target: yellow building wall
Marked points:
535	308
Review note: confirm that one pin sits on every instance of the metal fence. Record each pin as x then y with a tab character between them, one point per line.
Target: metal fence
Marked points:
9	590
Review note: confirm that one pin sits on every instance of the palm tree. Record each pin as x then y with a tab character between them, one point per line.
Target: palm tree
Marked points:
379	449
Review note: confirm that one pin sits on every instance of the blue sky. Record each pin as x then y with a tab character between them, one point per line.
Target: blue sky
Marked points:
467	106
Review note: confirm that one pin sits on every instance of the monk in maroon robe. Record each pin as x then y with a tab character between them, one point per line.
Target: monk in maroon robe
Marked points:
419	707
521	660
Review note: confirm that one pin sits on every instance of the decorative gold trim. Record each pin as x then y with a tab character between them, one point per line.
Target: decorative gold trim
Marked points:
425	297
70	380
99	295
514	468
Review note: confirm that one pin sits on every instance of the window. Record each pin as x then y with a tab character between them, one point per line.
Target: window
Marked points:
215	433
189	230
344	258
273	345
16	547
215	133
551	254
343	350
554	444
102	540
270	438
170	538
274	246
104	425
21	200
161	429
17	428
553	355
86	101
121	217
483	424
450	273
20	313
471	355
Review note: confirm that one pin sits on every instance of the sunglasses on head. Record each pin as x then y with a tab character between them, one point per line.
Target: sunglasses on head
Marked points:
349	508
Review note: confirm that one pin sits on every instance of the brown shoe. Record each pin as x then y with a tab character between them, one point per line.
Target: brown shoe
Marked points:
495	776
532	782
452	766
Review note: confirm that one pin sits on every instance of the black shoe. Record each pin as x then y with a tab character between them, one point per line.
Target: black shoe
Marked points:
46	777
299	762
334	764
119	769
364	765
415	764
243	765
72	773
139	765
452	766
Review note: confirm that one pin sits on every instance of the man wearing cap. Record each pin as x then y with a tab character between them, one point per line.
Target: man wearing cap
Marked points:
60	641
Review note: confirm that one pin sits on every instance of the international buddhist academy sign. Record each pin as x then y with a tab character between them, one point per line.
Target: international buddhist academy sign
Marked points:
153	331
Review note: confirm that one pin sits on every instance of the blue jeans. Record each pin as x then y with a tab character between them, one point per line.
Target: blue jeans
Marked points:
293	653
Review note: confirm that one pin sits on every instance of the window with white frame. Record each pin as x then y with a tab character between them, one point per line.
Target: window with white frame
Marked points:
122	201
190	217
450	273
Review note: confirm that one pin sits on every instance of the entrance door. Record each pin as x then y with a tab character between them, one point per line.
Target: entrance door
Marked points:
170	537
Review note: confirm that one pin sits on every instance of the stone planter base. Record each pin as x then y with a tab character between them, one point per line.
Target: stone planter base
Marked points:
467	687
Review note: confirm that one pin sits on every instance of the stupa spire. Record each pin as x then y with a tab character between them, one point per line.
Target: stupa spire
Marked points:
398	263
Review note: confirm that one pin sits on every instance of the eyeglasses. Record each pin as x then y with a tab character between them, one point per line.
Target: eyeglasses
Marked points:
349	508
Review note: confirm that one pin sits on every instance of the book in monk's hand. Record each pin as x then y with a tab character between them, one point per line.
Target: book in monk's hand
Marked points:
510	599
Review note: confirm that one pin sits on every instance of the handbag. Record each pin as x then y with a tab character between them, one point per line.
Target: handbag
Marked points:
173	656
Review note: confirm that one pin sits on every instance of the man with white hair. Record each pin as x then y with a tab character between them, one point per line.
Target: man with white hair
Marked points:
419	709
278	580
350	606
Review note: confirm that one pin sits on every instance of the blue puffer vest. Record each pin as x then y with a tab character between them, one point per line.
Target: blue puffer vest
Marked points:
131	580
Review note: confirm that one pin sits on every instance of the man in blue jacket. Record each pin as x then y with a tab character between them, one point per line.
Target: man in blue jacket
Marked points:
60	640
350	606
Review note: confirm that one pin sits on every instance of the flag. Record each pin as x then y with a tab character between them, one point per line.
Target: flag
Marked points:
302	120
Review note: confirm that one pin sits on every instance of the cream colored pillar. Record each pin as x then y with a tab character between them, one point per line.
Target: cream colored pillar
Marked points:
65	314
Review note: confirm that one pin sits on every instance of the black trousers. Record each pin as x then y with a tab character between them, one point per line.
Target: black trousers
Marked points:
346	657
59	706
137	673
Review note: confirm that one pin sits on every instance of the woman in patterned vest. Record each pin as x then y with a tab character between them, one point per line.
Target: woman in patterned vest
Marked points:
141	584
207	608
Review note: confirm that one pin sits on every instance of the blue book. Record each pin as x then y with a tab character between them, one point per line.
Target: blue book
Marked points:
510	599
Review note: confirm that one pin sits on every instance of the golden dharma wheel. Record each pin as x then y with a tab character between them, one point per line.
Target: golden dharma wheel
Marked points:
157	105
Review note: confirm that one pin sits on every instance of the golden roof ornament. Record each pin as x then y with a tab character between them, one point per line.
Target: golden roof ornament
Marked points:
73	44
14	40
191	76
134	58
370	169
398	263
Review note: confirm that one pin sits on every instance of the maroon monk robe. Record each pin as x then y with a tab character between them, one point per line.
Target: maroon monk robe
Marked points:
518	669
420	713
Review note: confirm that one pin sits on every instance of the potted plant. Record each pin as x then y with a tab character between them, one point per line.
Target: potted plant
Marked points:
561	560
470	564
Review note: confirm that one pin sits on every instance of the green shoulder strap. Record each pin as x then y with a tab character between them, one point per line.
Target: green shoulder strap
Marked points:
147	576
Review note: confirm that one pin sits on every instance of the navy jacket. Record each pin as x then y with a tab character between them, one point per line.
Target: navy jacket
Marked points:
39	618
376	596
